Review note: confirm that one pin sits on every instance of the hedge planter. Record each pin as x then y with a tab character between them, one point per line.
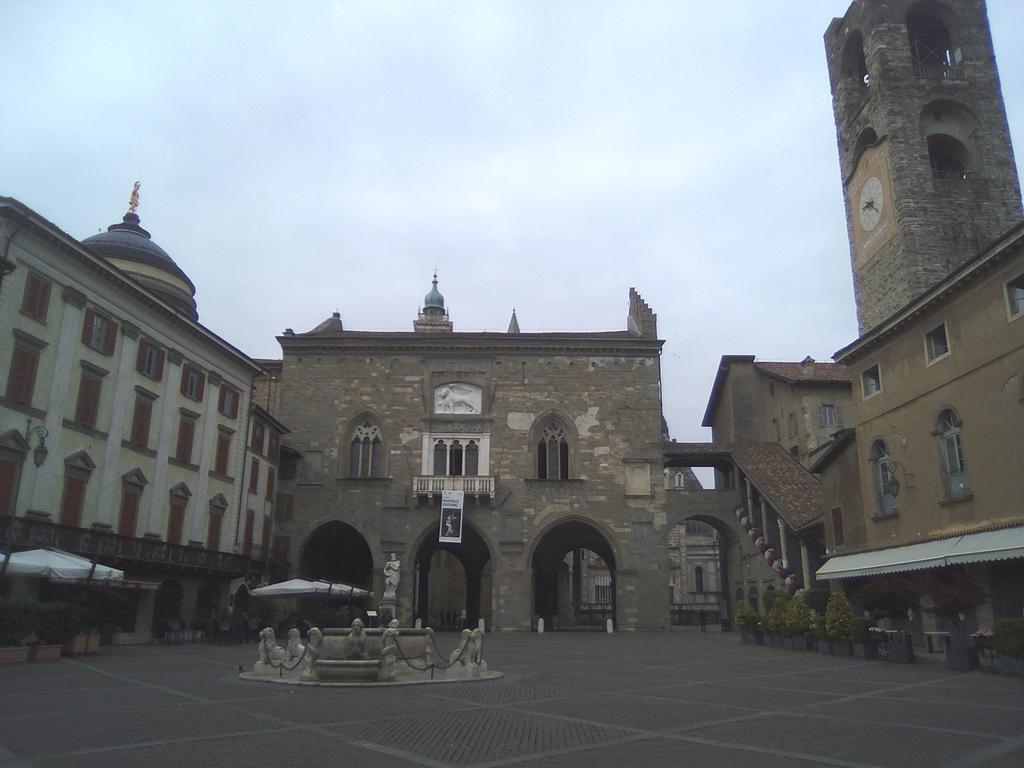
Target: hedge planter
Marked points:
1008	665
960	658
13	654
92	642
839	647
76	645
868	650
44	652
777	640
751	638
901	649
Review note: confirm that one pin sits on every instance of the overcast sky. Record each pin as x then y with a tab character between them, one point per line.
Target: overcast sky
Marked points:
302	158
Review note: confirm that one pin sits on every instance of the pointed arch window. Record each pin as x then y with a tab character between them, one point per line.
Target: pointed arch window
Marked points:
698	579
472	460
366	454
954	471
553	452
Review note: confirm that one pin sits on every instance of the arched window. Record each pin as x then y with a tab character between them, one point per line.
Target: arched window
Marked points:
931	49
365	454
698	579
948	156
884	480
854	66
752	598
553	452
440	459
472	459
680	480
954	473
455	458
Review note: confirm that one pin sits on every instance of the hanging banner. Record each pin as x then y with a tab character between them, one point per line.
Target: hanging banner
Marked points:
451	517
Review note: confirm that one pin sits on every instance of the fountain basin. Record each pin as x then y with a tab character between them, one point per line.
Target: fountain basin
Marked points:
347	670
412	642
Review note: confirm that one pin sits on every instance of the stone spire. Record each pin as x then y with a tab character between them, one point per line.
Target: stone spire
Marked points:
513	324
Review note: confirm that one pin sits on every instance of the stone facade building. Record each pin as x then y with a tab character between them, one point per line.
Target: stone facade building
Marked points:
554	438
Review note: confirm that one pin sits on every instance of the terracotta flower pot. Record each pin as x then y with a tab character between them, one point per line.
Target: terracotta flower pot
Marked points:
44	652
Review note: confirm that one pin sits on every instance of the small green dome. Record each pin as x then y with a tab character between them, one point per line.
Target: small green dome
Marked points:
434	298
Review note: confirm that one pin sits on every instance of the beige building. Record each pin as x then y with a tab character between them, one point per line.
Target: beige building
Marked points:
123	421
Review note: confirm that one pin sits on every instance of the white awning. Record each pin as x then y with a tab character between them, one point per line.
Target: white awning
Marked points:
1004	544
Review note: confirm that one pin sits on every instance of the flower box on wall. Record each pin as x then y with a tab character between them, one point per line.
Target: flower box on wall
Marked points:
44	652
14	654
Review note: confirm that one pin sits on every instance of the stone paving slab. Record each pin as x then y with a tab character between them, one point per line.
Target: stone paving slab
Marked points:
635	700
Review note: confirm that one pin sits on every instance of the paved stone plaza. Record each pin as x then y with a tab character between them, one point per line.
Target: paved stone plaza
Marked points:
566	700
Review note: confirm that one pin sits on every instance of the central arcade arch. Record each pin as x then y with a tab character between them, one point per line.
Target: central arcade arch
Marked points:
560	595
451	578
337	552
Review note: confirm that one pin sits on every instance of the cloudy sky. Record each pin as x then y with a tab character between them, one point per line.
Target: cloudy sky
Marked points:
302	158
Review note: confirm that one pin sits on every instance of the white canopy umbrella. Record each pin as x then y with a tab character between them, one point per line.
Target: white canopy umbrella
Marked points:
57	564
301	587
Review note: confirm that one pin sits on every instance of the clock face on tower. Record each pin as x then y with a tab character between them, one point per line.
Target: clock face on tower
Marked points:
870	204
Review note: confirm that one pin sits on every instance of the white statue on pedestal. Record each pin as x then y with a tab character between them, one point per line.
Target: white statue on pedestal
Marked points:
391	575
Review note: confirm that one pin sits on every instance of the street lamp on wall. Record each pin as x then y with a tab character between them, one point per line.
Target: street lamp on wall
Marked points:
40	452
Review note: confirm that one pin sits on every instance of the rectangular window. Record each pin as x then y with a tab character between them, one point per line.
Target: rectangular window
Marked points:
227	403
88	405
273	443
99	332
193	382
258	431
186	435
150	361
1015	296
10	472
220	464
254	476
213	529
270	482
129	511
71	502
22	379
175	522
140	421
838	536
281	546
791	425
828	415
871	381
36	300
936	345
250	522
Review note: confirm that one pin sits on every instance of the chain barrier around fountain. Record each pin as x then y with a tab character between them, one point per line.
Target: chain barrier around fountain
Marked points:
351	656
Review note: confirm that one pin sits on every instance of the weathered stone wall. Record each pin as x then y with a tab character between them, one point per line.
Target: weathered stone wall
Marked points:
939	222
609	398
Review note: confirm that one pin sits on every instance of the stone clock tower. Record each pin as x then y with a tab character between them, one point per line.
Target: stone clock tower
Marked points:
927	168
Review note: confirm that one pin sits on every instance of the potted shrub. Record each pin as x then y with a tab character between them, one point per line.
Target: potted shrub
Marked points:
50	626
776	618
836	632
14	628
799	625
1009	642
75	638
749	624
862	644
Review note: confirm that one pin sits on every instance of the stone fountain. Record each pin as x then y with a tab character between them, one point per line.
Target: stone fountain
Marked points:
359	656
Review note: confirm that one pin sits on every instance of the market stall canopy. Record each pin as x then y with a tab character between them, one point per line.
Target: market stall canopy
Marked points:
58	565
303	587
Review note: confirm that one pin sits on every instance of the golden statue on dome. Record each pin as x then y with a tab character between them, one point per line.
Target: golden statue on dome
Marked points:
133	200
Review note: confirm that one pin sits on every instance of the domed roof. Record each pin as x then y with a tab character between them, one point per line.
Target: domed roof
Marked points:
131	248
434	298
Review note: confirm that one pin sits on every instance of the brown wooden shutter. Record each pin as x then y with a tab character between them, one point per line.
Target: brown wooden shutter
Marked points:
250	520
110	340
71	506
213	529
87	326
37	297
8	480
220	464
140	421
23	373
186	432
159	375
220	398
270	482
254	477
200	385
184	379
88	397
129	513
175	522
140	357
265	541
